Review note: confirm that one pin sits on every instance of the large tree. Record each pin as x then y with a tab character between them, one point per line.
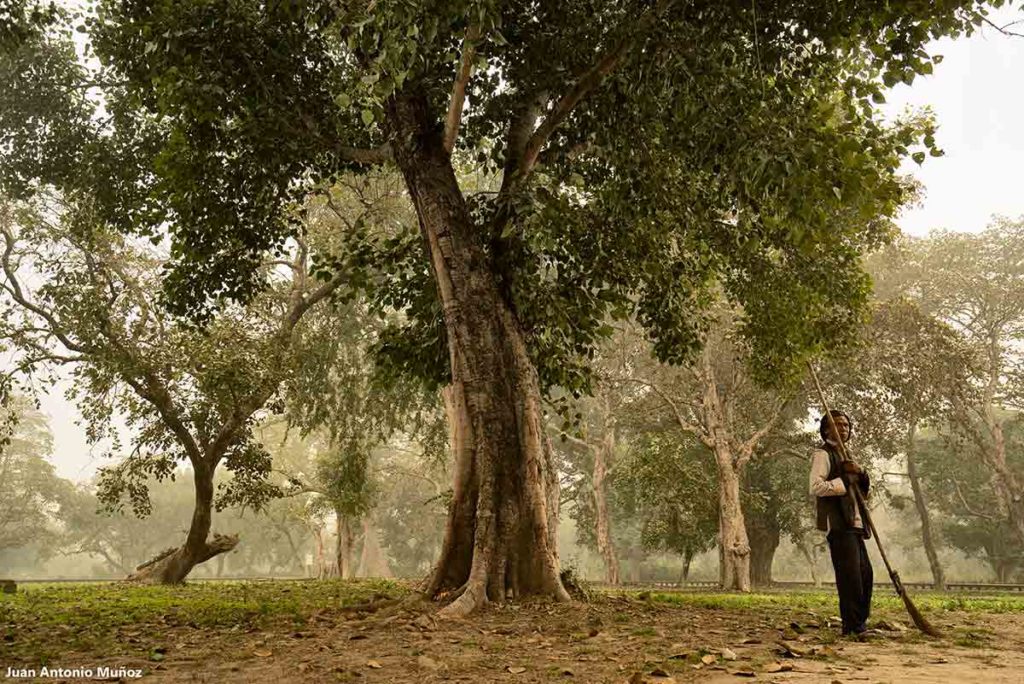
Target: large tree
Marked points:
719	402
975	284
911	372
75	296
689	142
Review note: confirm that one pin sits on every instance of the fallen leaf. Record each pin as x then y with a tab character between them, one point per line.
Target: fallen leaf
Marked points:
373	664
428	663
515	669
778	667
708	659
262	654
357	637
729	654
742	673
751	640
658	672
567	672
679	656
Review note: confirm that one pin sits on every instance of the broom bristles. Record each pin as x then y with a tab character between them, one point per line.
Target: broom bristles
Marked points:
919	620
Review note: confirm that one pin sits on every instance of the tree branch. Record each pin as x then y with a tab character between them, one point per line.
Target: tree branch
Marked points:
1002	29
14	287
684	424
357	155
583	86
963	502
747	448
458	99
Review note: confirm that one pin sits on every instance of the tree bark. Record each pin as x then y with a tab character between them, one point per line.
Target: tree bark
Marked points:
764	541
174	566
684	570
602	458
938	577
323	568
1006	484
500	537
732	529
342	545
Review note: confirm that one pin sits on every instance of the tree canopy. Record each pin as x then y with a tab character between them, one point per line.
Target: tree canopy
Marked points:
755	154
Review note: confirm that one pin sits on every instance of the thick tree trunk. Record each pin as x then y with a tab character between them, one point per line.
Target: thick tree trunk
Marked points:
605	544
343	538
921	505
764	541
500	538
174	565
732	530
323	568
1008	487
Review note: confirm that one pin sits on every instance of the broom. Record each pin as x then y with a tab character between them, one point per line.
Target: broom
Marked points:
853	490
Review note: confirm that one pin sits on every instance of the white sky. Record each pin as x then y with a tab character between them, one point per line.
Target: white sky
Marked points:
977	94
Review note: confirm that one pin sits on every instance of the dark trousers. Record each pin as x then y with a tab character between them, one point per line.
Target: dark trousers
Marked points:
854	578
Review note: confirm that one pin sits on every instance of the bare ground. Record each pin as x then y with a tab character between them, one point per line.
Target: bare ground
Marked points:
608	640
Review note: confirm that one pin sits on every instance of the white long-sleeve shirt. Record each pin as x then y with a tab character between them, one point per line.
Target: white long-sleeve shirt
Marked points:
821	486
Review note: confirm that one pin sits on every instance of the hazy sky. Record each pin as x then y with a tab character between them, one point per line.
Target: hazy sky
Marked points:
977	94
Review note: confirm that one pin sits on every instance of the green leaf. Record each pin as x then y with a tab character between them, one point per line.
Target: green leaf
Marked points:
367	116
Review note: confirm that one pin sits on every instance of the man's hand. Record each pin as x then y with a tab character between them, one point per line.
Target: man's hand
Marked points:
852	468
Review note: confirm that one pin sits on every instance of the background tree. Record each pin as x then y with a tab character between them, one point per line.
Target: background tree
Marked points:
188	395
33	497
960	491
749	149
775	504
910	373
719	403
973	282
668	481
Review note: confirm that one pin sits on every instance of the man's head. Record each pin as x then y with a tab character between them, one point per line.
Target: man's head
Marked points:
843	424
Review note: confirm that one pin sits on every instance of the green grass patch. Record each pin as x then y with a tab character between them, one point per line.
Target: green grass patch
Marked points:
826	601
42	622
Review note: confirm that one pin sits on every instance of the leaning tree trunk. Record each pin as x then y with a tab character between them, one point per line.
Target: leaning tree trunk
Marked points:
927	538
500	537
173	565
605	544
734	546
684	570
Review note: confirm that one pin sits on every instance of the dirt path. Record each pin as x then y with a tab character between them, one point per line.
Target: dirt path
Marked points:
609	640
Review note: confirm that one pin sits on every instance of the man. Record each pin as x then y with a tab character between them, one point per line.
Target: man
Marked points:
840	517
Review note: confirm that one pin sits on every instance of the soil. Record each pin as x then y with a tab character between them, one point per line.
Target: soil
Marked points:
609	639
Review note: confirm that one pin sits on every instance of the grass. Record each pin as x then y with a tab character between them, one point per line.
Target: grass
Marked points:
42	622
826	601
